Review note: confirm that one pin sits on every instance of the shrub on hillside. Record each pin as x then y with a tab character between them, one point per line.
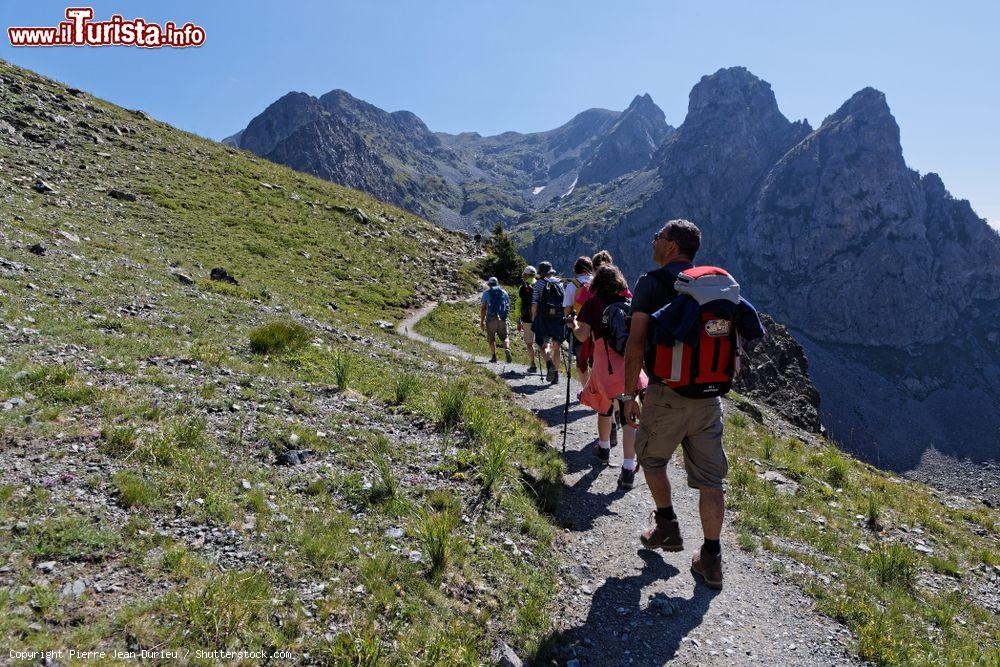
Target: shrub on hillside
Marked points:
278	337
503	262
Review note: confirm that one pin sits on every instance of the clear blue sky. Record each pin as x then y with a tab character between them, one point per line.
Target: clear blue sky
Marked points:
491	66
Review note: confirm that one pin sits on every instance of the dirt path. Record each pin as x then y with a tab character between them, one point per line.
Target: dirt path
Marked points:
624	605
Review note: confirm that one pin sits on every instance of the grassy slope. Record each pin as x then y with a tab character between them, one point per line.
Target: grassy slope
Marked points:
141	457
849	537
458	324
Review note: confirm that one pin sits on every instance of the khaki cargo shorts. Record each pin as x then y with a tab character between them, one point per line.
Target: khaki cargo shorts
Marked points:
529	335
669	419
496	327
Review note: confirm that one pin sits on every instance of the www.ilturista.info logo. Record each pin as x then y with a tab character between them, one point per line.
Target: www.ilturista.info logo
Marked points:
80	30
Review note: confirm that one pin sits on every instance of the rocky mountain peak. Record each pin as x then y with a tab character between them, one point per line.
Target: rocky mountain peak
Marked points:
283	117
644	104
866	117
731	90
629	143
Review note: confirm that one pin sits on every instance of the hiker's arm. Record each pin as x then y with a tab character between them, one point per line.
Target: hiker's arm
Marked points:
634	351
581	330
482	317
534	312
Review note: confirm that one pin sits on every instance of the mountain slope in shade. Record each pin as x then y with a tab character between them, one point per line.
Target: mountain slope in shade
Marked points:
892	284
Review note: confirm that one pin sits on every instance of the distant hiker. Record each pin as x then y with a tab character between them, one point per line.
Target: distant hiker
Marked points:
548	318
524	313
577	293
689	344
604	320
601	258
493	317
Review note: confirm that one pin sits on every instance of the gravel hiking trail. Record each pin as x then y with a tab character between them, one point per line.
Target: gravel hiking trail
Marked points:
621	604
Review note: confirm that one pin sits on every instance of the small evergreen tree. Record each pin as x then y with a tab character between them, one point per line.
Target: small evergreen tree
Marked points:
504	262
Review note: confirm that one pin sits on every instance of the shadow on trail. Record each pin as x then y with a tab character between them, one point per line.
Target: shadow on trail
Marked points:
553	415
618	629
527	387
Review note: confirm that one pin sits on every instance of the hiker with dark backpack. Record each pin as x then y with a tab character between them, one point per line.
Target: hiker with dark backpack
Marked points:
548	318
688	326
493	318
605	321
524	313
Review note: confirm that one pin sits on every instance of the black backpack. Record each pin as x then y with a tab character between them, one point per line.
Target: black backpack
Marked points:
617	320
551	303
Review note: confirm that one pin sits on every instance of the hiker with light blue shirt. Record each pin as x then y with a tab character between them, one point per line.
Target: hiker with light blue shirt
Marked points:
493	317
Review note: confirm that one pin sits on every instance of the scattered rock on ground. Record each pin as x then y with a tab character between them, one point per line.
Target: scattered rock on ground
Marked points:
222	275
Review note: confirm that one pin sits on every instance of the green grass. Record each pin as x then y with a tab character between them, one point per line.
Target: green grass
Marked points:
133	491
278	337
435	531
451	402
893	565
194	388
404	386
458	324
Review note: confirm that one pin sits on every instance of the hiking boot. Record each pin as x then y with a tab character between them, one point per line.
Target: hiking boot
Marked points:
603	455
626	480
664	535
709	567
555	376
532	369
506	354
493	359
549	371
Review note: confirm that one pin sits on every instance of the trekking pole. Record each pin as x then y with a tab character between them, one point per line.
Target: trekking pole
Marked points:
569	378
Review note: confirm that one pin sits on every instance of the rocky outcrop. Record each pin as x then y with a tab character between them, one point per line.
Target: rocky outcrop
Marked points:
777	374
629	144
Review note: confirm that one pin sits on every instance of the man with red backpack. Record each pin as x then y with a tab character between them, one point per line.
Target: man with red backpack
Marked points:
687	328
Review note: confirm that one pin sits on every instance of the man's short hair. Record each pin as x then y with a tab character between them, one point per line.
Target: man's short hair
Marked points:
685	234
583	265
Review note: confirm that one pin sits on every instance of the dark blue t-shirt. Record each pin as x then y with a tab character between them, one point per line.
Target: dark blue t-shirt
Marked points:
652	293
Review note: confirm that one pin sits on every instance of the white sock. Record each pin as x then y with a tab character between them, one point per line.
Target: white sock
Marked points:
628	464
604	444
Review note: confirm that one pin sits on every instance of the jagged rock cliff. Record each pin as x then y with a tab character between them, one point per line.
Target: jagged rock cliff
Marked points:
777	374
892	285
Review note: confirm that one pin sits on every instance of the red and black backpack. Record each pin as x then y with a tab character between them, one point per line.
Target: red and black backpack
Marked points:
705	362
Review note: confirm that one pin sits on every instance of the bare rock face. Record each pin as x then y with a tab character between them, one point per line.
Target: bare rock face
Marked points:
843	234
327	148
629	144
278	122
777	374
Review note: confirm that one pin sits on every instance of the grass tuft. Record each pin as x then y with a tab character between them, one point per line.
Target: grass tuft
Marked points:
435	531
278	336
404	386
133	491
451	402
893	565
343	368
